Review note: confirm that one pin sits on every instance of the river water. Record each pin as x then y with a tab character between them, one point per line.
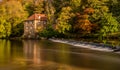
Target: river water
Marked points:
48	55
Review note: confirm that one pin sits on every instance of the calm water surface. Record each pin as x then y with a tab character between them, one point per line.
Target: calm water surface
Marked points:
47	55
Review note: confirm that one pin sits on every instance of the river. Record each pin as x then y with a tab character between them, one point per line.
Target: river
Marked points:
48	55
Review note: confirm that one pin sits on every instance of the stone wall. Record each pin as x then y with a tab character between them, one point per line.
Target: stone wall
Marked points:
33	27
29	30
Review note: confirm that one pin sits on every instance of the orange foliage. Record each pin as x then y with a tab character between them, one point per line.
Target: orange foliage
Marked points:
83	22
89	10
78	15
85	16
86	25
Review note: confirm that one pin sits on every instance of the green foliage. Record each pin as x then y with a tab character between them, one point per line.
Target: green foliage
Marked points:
108	24
28	8
18	30
50	10
114	6
103	13
48	33
32	7
38	8
5	28
63	24
75	5
10	17
101	16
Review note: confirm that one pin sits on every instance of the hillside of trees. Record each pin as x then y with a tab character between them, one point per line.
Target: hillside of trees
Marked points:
73	18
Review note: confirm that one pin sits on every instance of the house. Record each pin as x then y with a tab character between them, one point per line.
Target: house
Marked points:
34	24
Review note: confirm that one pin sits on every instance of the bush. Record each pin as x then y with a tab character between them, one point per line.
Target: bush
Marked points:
48	33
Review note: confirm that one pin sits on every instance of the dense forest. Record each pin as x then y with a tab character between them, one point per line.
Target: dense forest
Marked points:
72	18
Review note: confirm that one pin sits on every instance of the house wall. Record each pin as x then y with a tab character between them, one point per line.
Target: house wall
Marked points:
31	28
40	25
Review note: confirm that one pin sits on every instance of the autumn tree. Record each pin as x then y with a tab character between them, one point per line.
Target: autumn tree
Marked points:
114	6
101	16
5	28
64	14
34	6
83	24
75	5
13	14
63	24
50	11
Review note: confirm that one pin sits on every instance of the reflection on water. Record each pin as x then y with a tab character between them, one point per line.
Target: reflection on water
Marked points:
32	51
4	50
47	55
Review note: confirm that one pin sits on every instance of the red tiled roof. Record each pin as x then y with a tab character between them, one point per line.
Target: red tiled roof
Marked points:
38	17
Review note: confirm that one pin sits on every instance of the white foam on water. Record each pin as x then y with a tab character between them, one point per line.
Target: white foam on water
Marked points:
83	45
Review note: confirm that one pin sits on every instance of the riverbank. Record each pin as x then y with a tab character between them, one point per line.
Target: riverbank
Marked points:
89	45
83	44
